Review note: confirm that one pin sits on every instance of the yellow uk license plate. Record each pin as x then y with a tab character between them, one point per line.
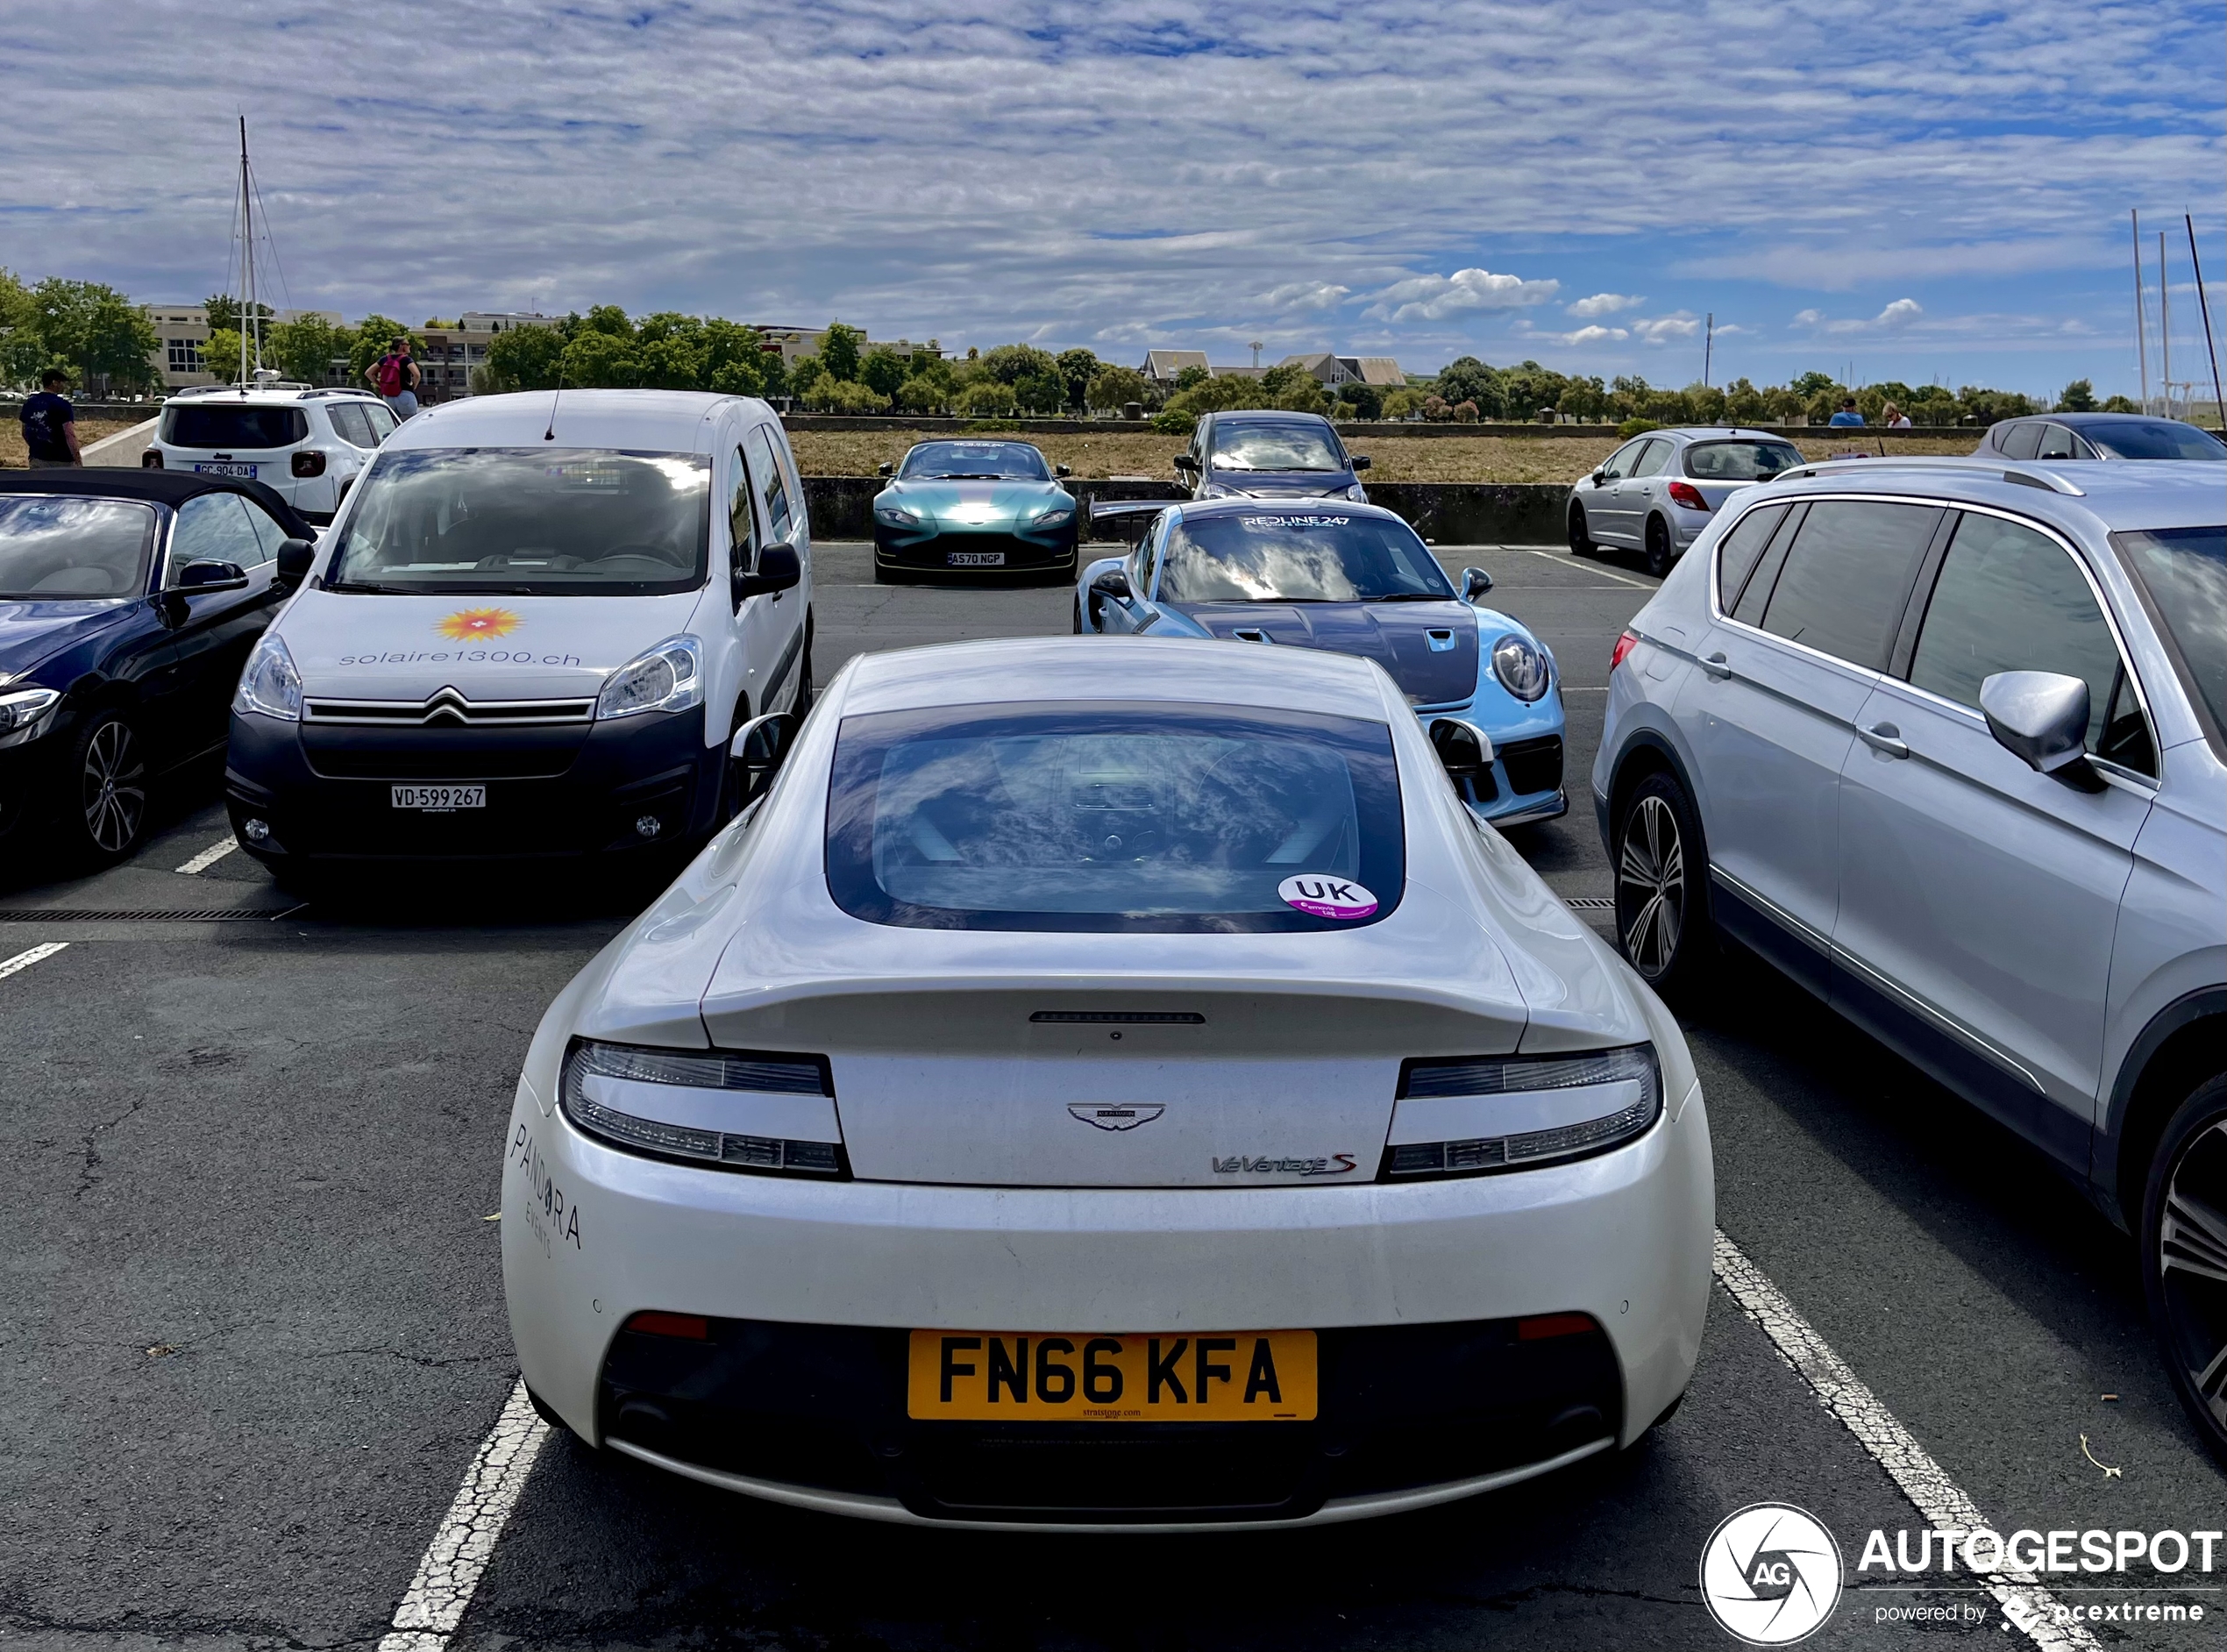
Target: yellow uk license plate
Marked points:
991	1376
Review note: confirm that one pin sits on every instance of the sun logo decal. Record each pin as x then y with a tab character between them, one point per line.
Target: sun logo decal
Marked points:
475	624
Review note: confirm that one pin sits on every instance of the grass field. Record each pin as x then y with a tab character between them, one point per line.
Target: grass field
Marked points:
12	455
1453	459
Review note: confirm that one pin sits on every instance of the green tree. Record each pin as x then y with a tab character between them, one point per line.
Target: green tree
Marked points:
1010	364
1306	396
1585	400
1467	379
220	354
1076	368
1525	389
733	359
839	351
1113	388
224	310
522	358
1366	400
306	348
21	350
884	371
99	331
373	334
986	398
807	371
920	394
2079	397
605	318
1191	377
1813	384
1040	393
1278	379
599	359
1403	403
1744	403
2119	404
843	395
1705	403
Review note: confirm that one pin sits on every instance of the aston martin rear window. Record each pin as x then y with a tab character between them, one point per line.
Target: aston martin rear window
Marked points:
974	461
528	522
1303	553
1113	817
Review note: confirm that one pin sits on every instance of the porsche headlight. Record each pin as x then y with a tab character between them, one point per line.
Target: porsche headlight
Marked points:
1520	666
669	677
1357	492
22	713
269	686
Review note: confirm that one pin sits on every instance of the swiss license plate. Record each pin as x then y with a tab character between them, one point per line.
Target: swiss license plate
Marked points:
245	473
985	1376
439	799
974	559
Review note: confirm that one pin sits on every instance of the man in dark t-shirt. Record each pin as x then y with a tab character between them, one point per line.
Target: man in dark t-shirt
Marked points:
50	424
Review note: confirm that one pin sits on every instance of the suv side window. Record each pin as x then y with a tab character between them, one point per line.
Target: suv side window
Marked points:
214	528
1739	550
2011	599
772	486
2021	440
350	424
1656	456
1846	576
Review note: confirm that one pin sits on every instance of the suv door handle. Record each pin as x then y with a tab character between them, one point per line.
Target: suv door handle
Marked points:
1885	737
1718	666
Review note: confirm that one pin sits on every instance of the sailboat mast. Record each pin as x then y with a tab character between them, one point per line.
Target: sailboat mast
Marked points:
251	319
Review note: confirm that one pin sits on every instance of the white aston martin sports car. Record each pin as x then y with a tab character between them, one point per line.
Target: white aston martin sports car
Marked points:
1108	1084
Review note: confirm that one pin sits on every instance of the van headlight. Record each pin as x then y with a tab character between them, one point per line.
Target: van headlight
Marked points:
1520	667
1554	1107
269	686
669	677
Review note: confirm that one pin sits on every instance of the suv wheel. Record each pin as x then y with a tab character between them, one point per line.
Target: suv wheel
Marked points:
1661	915
106	814
1580	543
1658	546
2184	1256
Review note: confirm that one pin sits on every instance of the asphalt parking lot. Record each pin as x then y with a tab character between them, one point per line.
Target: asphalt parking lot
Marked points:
253	1331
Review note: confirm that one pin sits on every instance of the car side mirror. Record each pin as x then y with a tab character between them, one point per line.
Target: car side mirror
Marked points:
1360	462
1184	461
759	747
196	577
1113	583
2040	717
778	570
1475	583
883	470
1464	749
1600	478
295	558
1063	470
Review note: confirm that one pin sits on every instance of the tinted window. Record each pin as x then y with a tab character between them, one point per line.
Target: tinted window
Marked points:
2010	599
772	486
1001	461
1846	576
1108	817
1298	556
350	424
525	522
1275	447
1617	465
53	547
1740	461
1656	455
2020	441
226	428
2056	443
1757	592
2185	571
2155	438
268	535
214	528
1742	548
381	417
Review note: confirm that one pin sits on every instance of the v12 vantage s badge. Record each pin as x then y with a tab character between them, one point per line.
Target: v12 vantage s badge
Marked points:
1116	1116
1246	1164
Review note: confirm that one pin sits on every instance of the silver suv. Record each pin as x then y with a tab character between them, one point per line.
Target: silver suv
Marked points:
1943	741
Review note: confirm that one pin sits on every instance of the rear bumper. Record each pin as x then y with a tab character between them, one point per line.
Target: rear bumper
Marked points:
647	769
592	1235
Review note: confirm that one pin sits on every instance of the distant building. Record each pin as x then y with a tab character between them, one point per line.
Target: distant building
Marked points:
494	320
796	343
181	333
1163	366
1331	370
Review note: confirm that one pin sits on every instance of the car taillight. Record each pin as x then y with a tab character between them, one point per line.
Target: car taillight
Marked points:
151	459
693	1327
1625	644
1685	493
309	464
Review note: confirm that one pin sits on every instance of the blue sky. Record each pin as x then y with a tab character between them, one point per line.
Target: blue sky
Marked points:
1908	189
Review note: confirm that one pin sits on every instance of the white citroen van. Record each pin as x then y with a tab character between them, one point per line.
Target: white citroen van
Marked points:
532	630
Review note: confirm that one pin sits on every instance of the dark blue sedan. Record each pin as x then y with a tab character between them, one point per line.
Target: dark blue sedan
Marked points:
129	600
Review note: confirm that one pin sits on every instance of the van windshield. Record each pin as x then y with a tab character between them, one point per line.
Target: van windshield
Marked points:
523	521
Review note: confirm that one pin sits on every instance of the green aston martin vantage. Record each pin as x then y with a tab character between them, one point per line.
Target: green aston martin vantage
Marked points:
973	508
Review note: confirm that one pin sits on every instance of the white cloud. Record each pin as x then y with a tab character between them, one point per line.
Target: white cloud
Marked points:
1593	333
1808	317
1435	298
1305	295
1663	329
1602	304
1895	317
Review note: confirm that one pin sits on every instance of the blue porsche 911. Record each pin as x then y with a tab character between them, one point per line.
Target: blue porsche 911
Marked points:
1351	579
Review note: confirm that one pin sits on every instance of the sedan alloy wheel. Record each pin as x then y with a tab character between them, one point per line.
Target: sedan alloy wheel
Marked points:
113	788
1661	915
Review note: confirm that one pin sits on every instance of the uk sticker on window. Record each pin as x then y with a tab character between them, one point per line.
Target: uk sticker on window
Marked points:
1325	897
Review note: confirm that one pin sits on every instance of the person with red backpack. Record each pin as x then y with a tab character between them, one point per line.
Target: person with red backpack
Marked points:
395	377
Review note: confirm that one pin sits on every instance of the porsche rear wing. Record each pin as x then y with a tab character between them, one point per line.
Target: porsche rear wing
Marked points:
1108	509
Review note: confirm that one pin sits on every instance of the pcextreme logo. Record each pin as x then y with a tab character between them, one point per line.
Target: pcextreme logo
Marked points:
1770	1574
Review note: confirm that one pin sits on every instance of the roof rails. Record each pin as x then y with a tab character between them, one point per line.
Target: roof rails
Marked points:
2024	475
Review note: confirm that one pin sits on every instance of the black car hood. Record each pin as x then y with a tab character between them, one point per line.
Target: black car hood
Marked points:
33	630
1398	636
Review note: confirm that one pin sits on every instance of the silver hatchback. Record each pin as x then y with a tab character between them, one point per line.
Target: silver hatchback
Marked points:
1658	492
1944	741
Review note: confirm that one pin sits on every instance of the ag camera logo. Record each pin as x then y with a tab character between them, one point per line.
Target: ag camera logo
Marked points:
1770	1574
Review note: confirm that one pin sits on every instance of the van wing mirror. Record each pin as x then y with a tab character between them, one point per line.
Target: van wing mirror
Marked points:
777	569
295	558
760	747
2040	717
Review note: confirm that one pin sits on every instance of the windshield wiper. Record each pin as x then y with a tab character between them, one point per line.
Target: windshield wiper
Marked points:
368	587
1412	596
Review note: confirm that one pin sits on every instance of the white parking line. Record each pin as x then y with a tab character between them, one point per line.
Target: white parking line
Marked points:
2022	1597
209	856
24	960
457	1556
1563	557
